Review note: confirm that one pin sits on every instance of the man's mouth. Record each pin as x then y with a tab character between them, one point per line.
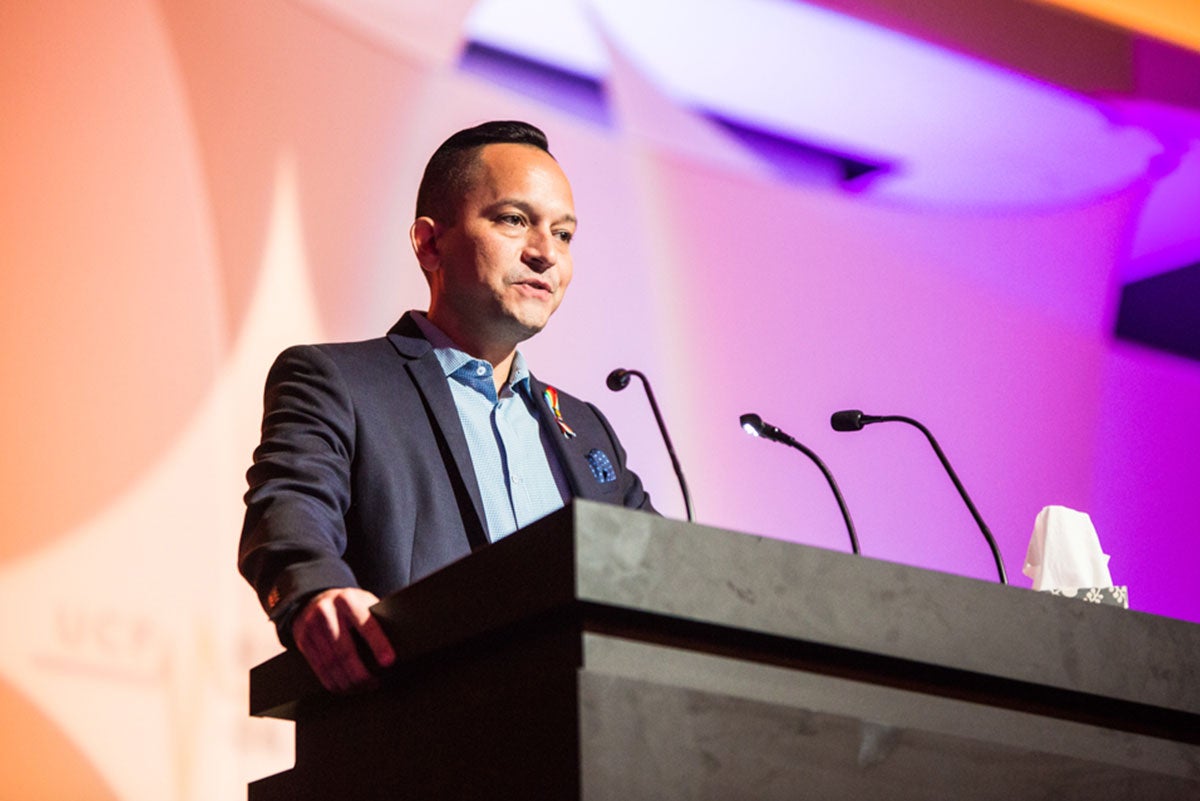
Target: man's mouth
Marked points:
536	284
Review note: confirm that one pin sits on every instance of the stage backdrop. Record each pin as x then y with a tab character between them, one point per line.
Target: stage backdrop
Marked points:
931	219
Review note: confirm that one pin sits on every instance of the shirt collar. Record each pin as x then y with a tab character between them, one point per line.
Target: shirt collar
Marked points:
452	358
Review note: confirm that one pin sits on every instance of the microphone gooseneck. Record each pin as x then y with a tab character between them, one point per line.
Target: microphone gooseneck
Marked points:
854	420
755	426
619	379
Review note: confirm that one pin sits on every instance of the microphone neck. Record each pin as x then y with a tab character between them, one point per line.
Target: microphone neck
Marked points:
623	377
854	420
756	425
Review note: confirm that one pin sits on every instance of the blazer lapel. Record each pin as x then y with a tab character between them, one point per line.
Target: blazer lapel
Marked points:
569	450
431	383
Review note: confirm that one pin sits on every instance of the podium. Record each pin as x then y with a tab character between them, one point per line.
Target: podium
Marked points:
603	653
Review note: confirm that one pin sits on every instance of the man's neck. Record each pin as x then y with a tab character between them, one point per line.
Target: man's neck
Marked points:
502	369
498	354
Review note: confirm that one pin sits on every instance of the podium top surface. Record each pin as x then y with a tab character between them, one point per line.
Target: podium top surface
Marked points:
602	557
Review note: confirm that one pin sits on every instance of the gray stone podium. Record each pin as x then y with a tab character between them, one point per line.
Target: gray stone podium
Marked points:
608	654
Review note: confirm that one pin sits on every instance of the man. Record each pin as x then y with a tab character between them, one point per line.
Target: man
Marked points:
385	460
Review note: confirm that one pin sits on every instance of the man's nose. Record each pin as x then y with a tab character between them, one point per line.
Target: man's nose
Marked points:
541	250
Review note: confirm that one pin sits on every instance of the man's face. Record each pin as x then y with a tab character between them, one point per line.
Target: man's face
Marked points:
504	265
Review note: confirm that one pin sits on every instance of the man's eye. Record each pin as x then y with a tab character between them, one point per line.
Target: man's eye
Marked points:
511	219
564	236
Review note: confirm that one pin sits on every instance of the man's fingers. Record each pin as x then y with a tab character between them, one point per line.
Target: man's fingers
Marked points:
327	645
336	663
358	609
378	642
325	632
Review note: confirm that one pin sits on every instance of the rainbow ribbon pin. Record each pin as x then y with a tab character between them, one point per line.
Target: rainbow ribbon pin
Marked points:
551	395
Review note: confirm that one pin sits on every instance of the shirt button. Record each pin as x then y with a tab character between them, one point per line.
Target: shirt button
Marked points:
481	370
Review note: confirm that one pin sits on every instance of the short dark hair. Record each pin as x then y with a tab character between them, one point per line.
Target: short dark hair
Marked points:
448	173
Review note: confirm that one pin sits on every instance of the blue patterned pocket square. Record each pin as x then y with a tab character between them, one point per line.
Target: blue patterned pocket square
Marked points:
602	468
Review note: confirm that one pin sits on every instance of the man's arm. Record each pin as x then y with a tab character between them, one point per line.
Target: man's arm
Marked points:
294	533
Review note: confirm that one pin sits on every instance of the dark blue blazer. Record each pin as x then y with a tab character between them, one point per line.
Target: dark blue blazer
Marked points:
364	478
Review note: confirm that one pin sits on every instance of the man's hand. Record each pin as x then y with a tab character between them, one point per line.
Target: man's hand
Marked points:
324	631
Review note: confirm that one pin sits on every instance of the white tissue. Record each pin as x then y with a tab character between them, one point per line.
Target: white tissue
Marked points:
1064	552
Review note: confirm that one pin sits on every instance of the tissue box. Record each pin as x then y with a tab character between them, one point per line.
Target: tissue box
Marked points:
1112	596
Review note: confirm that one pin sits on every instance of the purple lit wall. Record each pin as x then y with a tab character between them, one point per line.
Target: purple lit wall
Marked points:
187	188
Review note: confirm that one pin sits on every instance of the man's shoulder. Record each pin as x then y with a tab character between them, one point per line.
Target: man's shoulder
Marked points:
403	339
339	354
362	348
363	363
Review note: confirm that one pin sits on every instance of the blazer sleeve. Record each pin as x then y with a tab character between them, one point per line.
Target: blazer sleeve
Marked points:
294	532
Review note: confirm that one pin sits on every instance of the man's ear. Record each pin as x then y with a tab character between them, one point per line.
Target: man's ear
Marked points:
423	234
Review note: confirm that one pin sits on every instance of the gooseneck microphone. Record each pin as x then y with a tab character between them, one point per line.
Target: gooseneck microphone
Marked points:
854	420
619	379
755	426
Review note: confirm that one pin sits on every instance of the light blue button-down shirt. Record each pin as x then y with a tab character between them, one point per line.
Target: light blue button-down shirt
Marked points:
520	479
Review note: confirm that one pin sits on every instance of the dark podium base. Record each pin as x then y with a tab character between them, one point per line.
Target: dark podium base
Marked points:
605	654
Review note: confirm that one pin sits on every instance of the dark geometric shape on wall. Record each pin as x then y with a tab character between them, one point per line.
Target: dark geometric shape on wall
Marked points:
576	94
1163	311
804	162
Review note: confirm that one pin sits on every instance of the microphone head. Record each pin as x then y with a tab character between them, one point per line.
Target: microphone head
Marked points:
752	424
847	420
618	379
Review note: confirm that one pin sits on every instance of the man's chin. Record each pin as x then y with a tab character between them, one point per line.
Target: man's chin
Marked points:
530	317
522	327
